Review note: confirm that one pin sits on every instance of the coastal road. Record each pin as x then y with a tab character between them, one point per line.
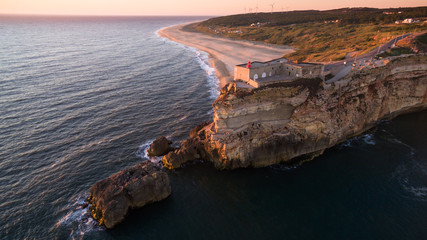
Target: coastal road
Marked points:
341	70
342	73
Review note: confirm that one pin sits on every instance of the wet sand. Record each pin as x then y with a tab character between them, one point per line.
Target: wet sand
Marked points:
224	53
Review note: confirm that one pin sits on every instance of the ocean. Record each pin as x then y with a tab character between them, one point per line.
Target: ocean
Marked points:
81	98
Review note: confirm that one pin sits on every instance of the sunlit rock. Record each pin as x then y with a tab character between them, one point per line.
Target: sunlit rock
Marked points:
137	186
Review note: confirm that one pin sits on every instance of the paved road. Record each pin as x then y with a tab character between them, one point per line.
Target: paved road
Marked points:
342	73
344	69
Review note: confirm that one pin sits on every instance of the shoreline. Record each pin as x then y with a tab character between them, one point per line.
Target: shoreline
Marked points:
223	53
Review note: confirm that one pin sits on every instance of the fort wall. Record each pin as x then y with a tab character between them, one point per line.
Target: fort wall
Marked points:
261	73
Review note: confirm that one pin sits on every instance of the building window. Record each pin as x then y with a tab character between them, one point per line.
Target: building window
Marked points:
311	72
264	75
255	76
269	74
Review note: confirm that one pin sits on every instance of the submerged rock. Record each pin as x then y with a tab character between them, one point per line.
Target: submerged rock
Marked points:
137	186
159	147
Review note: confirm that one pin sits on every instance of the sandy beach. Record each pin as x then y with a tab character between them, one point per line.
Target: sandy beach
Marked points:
224	53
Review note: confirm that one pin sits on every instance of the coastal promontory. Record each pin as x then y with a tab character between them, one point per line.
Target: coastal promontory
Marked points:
279	122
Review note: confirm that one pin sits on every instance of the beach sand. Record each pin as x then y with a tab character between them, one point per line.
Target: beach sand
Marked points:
224	53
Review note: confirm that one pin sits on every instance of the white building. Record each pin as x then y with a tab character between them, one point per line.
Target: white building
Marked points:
408	20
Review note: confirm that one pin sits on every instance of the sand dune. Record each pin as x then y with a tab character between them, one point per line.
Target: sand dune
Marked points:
224	53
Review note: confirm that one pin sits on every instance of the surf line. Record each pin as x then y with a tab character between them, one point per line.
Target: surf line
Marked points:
202	58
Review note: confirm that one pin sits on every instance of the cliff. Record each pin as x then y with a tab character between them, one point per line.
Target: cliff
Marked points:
280	122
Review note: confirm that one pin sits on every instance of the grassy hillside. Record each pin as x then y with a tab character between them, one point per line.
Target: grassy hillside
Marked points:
346	15
319	35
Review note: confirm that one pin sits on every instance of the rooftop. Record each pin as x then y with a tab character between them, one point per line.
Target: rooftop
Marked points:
257	64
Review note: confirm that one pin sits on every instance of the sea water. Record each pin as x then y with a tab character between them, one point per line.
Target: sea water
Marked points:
82	98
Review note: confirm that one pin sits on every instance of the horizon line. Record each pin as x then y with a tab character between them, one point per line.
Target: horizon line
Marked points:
94	15
173	15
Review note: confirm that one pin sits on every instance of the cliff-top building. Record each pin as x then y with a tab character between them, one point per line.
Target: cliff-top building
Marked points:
258	74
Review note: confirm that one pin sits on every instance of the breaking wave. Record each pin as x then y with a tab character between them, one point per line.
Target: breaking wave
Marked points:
362	139
78	219
410	176
142	152
202	59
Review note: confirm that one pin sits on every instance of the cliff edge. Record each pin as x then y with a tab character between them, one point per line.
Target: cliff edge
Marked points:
279	122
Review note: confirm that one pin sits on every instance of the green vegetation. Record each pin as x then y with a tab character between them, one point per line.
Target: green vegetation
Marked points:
421	42
396	52
320	35
422	39
345	15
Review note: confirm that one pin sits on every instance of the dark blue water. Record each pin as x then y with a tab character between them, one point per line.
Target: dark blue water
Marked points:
81	98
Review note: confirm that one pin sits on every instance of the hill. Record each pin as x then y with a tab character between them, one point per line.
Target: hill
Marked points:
320	35
345	15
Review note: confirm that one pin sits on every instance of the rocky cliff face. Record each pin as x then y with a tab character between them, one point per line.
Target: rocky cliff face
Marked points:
279	122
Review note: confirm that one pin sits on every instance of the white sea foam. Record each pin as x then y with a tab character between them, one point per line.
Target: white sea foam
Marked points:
284	167
419	192
142	152
213	81
405	173
202	58
366	139
78	219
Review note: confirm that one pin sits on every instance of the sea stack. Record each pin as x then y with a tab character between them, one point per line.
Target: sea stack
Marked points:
159	147
137	186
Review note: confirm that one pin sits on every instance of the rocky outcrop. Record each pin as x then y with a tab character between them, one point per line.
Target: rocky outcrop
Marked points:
159	147
137	186
279	122
190	149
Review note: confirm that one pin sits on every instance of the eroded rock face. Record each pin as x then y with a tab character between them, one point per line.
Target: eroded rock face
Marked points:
159	147
137	186
277	123
191	149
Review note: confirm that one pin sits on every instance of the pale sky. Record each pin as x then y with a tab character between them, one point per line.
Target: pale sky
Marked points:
184	7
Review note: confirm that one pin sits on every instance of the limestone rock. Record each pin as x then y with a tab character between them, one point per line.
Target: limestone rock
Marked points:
280	122
189	151
159	147
195	131
137	186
